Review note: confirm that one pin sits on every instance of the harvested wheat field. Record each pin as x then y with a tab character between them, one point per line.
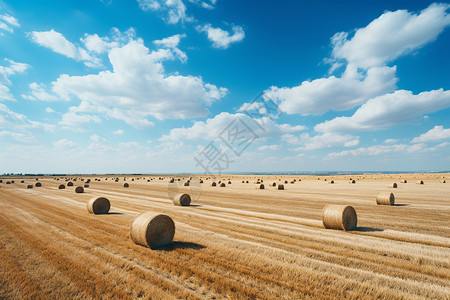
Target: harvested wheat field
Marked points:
233	242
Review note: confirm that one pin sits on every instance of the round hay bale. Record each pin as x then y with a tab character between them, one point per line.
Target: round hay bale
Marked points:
260	186
79	190
186	183
23	181
213	184
442	181
38	184
331	182
86	185
98	206
419	182
339	217
182	200
352	181
246	181
243	181
222	184
229	182
61	187
30	186
126	185
70	183
393	185
280	187
152	230
1	181
403	181
274	184
385	198
285	182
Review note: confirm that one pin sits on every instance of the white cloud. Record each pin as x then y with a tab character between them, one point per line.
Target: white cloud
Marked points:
19	122
50	110
172	43
138	87
97	138
7	22
269	147
119	131
211	129
76	121
10	20
380	149
437	133
388	110
96	44
390	141
322	141
59	44
208	4
64	143
173	10
391	35
17	136
290	139
386	38
320	95
5	72
38	93
222	39
132	145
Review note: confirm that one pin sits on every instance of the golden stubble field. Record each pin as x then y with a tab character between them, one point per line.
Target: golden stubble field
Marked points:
234	242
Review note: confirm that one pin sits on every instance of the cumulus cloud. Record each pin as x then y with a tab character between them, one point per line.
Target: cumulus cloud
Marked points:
220	38
18	127
8	22
212	128
64	143
17	136
320	95
50	110
77	121
173	11
321	141
97	138
12	120
390	36
437	133
388	110
38	92
172	43
208	4
390	141
59	44
365	56
138	87
97	44
119	131
269	147
5	72
380	149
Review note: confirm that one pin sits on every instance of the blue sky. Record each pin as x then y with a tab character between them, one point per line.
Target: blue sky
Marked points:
163	86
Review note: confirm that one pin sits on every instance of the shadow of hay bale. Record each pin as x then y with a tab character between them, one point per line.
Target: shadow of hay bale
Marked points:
181	245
